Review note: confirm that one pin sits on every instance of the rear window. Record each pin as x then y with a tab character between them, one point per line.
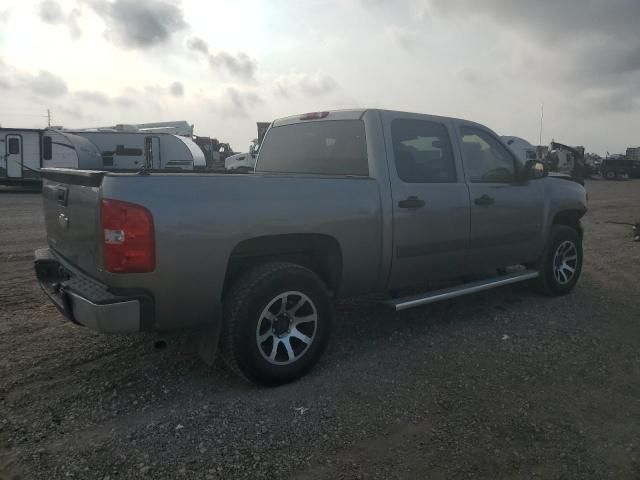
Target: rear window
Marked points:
334	147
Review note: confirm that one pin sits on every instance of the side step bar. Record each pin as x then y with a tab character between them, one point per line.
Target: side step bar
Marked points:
457	291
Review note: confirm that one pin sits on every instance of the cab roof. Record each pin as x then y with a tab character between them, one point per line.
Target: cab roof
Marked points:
356	114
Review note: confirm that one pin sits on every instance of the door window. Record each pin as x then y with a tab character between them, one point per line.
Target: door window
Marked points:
486	159
422	151
14	146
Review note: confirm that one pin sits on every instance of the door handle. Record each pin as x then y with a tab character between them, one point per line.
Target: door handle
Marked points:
484	200
411	202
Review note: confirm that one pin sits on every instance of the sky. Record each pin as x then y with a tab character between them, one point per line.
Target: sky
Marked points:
225	65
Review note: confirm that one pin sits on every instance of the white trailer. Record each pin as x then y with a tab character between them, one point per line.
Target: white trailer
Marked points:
67	150
23	152
119	150
20	156
520	147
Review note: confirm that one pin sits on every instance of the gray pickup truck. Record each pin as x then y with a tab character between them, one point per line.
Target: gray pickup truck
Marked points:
341	204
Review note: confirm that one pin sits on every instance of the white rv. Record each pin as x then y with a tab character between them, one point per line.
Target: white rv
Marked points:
523	149
121	150
23	152
67	150
20	156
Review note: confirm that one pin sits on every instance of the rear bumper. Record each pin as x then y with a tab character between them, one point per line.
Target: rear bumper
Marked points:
85	301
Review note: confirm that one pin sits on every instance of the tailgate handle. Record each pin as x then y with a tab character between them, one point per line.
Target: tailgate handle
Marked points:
62	196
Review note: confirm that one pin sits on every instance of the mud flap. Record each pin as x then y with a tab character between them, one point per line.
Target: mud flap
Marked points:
208	342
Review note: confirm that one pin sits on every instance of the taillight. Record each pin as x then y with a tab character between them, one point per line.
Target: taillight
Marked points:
128	238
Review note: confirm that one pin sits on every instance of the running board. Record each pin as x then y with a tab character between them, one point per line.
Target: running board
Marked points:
458	291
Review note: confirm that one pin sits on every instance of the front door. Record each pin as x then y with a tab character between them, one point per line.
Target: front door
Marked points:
430	201
506	212
152	152
13	155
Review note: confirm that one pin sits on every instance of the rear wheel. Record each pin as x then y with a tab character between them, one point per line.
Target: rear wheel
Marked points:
561	262
610	175
277	323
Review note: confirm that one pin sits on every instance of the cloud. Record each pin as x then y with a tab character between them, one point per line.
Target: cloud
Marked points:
46	83
198	45
176	89
597	40
93	96
72	113
50	12
128	99
239	65
139	23
406	38
236	103
314	84
609	100
4	81
124	101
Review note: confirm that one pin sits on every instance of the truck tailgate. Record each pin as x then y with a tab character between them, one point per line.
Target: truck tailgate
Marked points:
72	216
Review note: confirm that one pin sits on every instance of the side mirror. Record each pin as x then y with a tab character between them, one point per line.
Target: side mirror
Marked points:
535	169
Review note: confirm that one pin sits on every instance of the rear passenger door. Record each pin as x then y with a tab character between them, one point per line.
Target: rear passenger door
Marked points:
506	211
430	200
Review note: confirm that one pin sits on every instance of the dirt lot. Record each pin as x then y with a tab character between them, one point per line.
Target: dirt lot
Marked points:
503	384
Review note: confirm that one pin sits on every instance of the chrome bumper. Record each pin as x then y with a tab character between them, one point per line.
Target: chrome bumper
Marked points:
83	300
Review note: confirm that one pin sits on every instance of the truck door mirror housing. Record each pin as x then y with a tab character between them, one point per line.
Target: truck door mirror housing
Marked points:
535	169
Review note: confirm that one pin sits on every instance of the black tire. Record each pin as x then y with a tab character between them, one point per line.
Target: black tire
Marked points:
609	175
551	282
244	316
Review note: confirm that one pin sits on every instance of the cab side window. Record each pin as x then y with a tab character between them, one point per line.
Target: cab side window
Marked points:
422	151
486	159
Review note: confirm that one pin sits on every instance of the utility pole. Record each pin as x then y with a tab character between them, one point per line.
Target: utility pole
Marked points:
48	118
541	119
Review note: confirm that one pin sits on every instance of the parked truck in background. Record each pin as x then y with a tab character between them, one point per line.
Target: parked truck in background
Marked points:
243	162
342	204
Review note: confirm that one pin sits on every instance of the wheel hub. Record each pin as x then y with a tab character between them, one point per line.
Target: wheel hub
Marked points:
282	324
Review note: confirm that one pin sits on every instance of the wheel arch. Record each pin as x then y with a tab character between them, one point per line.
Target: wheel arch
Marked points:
318	252
569	218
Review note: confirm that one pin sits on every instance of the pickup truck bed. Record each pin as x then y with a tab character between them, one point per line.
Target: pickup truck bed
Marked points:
196	236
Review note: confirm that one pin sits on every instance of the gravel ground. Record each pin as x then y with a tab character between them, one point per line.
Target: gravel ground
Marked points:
503	384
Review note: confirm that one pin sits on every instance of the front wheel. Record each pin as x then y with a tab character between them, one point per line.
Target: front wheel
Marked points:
561	262
277	323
